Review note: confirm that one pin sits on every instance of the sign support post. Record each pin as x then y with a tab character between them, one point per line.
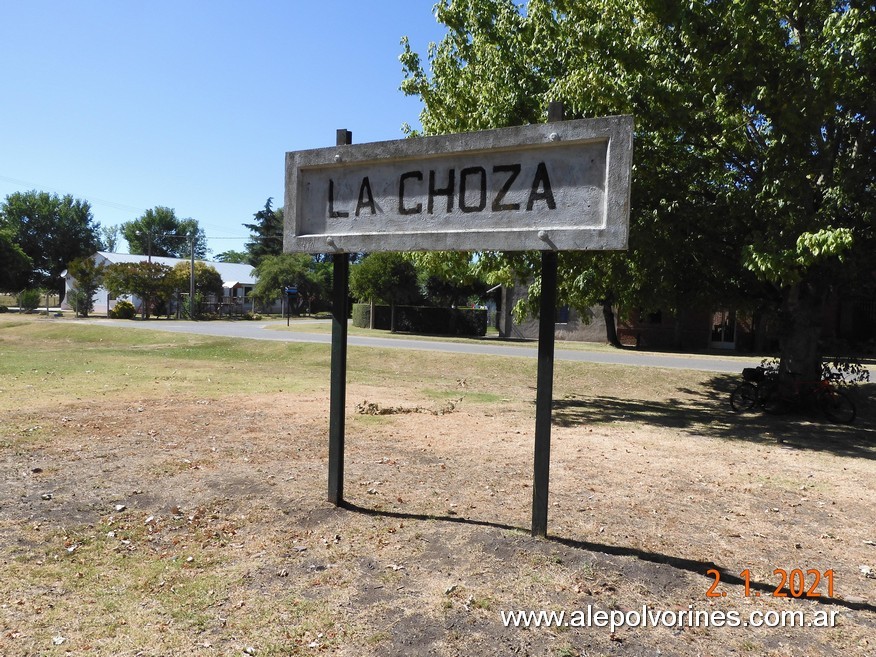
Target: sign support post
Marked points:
544	392
545	376
340	295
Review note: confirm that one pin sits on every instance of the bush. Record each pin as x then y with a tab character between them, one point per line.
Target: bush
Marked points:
362	315
123	310
29	300
4	309
81	302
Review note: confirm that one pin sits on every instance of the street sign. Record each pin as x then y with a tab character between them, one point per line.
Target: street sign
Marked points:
554	186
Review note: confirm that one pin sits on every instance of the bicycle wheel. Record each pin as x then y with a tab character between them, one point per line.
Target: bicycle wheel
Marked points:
837	406
743	398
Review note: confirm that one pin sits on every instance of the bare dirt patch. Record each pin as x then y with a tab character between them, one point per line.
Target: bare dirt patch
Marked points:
165	524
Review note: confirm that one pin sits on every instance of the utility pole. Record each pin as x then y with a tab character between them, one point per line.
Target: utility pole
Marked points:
192	280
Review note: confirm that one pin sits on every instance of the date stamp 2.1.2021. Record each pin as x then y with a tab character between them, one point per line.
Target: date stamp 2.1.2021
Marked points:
790	583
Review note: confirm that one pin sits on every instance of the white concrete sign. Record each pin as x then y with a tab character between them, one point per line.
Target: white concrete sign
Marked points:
555	186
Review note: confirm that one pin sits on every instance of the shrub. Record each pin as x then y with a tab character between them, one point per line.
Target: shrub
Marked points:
81	302
123	310
28	300
4	309
361	315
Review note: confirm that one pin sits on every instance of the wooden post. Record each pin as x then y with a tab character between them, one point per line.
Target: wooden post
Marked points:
341	267
545	380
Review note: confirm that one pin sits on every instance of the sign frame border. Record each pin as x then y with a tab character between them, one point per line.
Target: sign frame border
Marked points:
617	131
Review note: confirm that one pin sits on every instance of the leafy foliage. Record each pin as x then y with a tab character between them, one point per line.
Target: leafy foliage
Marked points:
109	238
385	277
28	300
123	310
207	279
239	257
51	231
447	279
267	234
15	265
159	232
275	272
148	280
88	276
754	158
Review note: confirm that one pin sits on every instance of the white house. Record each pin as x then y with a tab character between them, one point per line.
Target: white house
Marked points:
237	280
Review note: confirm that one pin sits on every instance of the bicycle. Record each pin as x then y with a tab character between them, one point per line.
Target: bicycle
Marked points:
749	394
778	397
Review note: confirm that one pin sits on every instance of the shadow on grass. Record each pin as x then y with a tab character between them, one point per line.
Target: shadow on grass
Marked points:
680	563
707	412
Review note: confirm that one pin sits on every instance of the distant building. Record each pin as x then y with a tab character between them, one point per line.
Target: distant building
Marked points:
850	321
237	282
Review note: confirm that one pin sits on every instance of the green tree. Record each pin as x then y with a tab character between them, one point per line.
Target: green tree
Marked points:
159	232
207	280
386	278
109	238
753	168
15	265
148	280
266	237
275	272
88	277
447	279
51	231
239	257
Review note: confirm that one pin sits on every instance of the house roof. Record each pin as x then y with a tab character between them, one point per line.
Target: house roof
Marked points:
229	271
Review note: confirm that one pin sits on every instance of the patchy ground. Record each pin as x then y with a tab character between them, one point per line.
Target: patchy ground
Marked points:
161	520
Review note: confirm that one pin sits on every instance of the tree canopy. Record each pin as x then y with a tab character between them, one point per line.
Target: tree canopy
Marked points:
754	153
275	272
51	231
388	277
239	257
15	265
88	277
148	280
266	233
207	279
109	238
159	232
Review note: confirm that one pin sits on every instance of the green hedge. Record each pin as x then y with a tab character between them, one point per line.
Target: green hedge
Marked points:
423	319
122	310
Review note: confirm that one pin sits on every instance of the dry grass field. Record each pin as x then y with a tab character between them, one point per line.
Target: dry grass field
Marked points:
164	495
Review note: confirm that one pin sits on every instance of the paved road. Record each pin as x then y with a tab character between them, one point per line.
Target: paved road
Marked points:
262	331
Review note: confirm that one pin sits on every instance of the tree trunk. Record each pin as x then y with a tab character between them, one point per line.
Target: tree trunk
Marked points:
610	325
801	328
392	317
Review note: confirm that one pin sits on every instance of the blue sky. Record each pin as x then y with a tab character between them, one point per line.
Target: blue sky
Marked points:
192	105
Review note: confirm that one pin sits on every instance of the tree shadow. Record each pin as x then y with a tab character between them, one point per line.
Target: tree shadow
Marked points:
679	563
707	411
